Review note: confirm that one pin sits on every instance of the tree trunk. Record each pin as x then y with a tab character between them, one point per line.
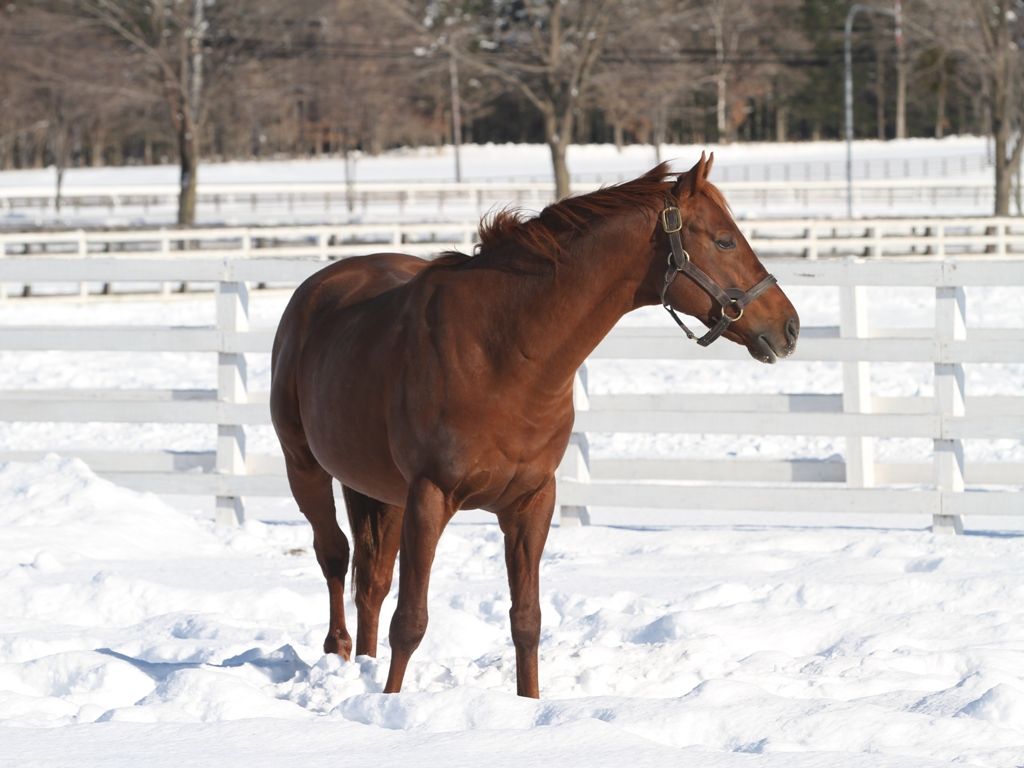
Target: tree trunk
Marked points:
97	137
59	148
557	134
1007	160
561	168
453	78
940	101
901	93
781	123
880	87
188	94
1006	157
721	107
188	154
658	128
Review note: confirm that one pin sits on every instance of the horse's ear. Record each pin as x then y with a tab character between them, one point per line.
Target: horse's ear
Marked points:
708	164
690	183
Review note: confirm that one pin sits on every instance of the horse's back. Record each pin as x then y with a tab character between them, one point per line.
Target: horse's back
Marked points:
343	284
349	282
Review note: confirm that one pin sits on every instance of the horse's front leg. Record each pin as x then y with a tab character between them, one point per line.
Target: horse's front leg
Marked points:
427	511
526	526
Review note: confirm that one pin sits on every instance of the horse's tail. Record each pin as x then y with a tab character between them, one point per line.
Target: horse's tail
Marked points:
364	520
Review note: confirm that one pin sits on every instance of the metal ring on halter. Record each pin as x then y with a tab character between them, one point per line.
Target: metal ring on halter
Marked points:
672	261
739	312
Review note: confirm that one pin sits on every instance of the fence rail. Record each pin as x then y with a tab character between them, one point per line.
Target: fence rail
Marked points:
191	254
469	199
946	488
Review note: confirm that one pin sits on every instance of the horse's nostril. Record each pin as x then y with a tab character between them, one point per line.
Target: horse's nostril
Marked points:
792	330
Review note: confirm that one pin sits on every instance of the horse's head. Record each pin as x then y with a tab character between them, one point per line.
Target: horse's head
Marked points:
712	273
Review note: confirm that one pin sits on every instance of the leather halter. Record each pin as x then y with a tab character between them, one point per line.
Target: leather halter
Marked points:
729	299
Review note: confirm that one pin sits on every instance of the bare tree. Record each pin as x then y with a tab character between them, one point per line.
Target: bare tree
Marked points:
546	50
643	79
168	37
999	33
65	76
987	35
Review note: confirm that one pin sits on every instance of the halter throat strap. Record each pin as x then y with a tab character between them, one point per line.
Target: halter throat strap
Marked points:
732	301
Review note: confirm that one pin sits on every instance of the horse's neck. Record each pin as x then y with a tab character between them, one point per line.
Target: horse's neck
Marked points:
555	319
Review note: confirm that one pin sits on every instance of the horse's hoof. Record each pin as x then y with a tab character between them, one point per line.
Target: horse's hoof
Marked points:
339	645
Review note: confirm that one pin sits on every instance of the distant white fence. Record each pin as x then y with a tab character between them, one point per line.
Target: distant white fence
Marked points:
804	238
471	199
944	488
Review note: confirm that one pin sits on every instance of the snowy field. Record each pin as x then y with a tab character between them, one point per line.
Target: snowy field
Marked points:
132	632
139	635
948	161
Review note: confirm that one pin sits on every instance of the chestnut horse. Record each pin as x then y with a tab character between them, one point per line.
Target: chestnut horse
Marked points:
426	387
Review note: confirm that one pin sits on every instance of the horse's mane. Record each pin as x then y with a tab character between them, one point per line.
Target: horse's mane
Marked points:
545	233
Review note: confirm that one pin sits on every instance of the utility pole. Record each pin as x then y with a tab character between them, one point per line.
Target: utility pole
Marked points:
848	93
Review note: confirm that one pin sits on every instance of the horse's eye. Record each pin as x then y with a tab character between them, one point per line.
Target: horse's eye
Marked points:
726	244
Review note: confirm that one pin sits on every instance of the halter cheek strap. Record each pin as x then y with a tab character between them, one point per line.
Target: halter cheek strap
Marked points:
732	301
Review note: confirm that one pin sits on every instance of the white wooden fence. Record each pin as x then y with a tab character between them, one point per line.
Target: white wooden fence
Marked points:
945	488
804	238
470	199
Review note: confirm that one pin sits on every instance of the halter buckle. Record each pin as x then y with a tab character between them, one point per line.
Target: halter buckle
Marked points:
677	219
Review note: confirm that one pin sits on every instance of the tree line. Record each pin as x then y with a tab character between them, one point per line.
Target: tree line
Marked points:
109	82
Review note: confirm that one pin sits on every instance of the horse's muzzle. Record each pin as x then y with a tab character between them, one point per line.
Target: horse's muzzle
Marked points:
770	347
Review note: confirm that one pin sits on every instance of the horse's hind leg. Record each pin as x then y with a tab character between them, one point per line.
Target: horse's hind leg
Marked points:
311	487
376	534
526	526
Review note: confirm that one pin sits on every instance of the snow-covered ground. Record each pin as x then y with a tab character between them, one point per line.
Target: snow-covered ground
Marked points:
132	632
950	160
816	161
137	634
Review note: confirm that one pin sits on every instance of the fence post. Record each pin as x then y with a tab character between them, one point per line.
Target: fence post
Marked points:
576	462
321	244
876	241
950	324
3	255
232	387
853	324
165	253
83	251
811	235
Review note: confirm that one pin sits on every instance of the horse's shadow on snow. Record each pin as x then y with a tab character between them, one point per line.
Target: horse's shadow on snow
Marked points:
279	665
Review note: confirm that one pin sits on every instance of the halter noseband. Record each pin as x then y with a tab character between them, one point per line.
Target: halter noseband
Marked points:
729	299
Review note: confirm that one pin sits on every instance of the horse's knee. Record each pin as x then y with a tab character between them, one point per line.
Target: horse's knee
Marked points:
407	629
525	626
333	555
